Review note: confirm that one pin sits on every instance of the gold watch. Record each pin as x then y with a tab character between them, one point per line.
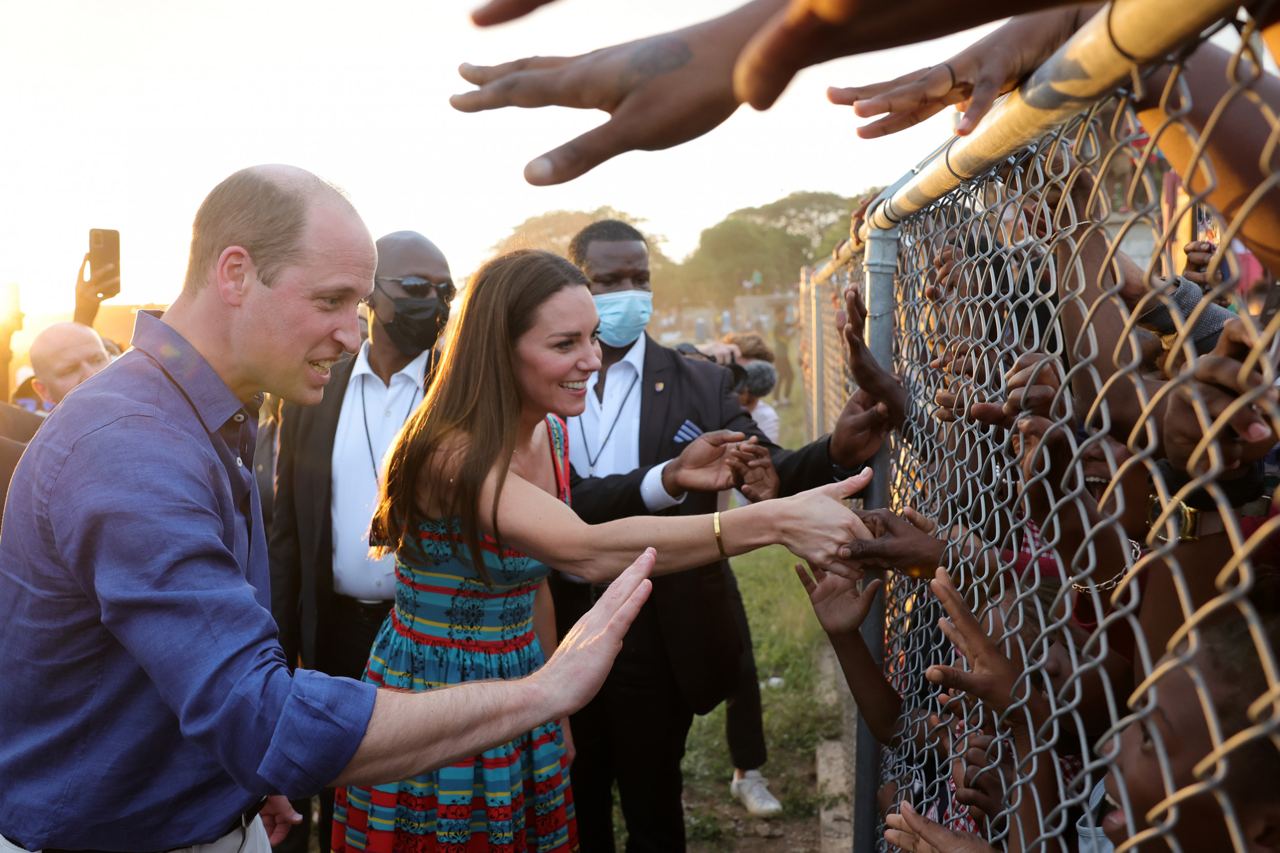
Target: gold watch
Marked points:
1189	523
1192	524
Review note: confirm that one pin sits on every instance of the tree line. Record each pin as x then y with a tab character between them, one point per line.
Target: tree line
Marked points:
764	245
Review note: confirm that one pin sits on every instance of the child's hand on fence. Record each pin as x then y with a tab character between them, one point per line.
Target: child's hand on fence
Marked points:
966	368
1033	384
1048	465
1199	253
882	386
912	831
991	675
1219	380
841	604
945	273
978	768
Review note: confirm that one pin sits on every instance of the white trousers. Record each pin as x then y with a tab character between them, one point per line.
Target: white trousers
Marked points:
251	839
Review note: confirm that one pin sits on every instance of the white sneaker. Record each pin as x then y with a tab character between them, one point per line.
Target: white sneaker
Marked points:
753	791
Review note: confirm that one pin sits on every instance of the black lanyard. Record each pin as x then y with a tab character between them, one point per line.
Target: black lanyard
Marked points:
364	419
591	461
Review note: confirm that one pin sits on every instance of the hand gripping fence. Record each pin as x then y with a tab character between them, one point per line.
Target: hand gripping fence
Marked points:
1091	433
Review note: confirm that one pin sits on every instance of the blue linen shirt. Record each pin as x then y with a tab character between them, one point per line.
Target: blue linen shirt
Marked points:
146	700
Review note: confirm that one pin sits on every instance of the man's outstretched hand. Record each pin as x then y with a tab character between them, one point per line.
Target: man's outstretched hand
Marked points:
659	91
707	464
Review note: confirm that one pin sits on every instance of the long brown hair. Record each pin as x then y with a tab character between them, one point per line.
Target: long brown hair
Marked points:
474	396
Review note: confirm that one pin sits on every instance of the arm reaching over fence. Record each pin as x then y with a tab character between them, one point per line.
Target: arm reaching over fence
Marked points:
659	91
971	80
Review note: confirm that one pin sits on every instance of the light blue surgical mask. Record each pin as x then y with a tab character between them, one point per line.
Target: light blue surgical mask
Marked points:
623	315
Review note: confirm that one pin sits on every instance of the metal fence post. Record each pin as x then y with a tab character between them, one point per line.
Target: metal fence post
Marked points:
880	265
817	413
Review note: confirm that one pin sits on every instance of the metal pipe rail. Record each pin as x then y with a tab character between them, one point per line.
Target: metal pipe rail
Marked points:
1099	57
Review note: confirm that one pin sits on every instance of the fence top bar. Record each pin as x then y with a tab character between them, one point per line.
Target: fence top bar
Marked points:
1085	69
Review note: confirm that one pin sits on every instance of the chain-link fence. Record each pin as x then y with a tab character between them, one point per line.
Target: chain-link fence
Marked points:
1085	327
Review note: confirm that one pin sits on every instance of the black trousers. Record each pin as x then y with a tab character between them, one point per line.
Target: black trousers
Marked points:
633	733
743	719
343	649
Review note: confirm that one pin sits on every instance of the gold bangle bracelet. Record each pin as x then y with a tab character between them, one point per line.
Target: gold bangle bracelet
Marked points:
715	523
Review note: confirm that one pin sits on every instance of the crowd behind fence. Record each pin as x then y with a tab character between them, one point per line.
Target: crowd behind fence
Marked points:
1086	330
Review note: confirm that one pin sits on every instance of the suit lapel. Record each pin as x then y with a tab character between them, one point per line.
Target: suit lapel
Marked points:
317	445
656	389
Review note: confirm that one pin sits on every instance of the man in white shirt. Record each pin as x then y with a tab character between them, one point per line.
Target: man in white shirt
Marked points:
647	408
329	597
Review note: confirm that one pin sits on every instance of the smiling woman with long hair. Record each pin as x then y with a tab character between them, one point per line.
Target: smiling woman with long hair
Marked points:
475	506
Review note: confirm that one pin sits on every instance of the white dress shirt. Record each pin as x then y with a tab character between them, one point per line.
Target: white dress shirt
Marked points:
766	417
372	414
605	439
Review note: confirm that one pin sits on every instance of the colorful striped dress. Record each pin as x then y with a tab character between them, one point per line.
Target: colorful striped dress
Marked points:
449	627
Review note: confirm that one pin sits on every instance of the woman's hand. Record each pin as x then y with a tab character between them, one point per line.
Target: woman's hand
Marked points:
841	604
817	526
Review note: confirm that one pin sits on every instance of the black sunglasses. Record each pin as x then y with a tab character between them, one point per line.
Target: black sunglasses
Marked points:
419	287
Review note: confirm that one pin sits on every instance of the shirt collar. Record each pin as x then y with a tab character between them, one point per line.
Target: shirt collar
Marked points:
208	394
634	358
635	355
414	371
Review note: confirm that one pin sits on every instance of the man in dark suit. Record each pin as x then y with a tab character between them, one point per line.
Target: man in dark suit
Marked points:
328	597
17	424
681	654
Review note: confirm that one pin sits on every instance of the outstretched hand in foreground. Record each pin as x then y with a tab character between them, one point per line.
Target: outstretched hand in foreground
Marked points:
659	91
970	80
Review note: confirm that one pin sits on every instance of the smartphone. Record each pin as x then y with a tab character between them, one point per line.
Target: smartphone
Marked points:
104	248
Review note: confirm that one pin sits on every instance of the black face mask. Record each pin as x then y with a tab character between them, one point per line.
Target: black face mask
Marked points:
416	323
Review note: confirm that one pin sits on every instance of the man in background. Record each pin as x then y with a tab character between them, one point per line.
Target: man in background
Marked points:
682	656
63	356
327	595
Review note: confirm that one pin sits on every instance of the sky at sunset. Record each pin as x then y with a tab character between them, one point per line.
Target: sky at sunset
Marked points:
124	114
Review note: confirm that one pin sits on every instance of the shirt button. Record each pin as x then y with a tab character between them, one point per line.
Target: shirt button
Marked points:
238	417
239	462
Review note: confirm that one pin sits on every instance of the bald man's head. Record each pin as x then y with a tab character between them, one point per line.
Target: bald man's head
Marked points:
409	248
63	356
262	209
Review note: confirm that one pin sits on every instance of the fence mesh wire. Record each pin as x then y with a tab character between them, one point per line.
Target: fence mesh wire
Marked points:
1091	441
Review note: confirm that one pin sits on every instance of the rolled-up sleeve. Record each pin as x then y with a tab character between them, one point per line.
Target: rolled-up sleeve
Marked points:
141	530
